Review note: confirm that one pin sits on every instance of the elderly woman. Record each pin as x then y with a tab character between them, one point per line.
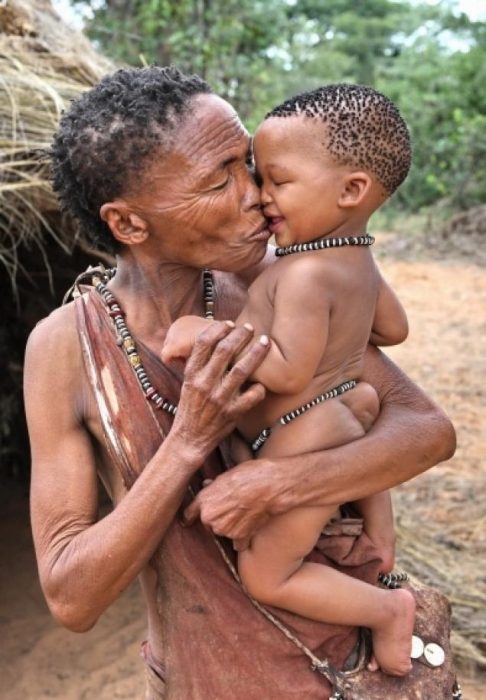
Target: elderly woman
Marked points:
155	167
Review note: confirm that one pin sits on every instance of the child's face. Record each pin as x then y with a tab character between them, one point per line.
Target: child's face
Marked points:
300	184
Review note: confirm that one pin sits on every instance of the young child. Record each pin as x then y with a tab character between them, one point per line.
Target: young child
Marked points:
326	161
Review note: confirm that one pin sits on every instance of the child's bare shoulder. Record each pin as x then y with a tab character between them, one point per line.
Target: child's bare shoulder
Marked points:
304	269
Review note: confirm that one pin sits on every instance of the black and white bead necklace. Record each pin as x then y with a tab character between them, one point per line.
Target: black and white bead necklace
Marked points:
323	243
127	343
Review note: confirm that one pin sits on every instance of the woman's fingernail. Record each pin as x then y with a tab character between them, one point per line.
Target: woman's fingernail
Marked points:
230	324
248	327
264	340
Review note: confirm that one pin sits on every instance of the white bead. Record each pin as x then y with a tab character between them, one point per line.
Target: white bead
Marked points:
417	647
434	654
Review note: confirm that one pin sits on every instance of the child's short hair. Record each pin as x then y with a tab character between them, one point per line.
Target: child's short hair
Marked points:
364	129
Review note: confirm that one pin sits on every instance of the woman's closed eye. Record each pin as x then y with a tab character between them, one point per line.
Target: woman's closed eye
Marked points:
221	185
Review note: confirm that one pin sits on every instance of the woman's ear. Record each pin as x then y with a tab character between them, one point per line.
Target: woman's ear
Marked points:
356	186
126	226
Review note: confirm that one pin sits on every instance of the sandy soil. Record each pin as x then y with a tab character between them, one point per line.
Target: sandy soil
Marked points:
38	658
445	353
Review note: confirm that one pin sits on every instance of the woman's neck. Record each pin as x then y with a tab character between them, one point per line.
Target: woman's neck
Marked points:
154	295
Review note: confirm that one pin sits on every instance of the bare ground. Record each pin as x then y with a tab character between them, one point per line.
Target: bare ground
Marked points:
440	512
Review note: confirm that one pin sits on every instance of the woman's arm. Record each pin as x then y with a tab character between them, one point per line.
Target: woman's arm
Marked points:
85	563
410	435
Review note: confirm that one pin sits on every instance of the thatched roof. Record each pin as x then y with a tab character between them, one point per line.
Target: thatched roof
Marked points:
43	65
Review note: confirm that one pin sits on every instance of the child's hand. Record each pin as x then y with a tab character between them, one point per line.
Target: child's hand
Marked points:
181	337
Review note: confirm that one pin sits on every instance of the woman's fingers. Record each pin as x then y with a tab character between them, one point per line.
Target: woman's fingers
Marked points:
192	512
226	350
247	400
204	346
246	365
242	543
215	349
212	398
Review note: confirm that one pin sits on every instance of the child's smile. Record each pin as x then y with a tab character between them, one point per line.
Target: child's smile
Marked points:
300	188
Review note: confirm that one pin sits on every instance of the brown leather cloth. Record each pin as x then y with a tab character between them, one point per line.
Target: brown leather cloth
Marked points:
216	644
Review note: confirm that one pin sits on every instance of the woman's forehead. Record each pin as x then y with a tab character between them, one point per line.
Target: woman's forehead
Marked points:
210	136
211	129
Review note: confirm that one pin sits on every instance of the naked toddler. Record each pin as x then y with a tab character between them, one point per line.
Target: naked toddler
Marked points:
326	161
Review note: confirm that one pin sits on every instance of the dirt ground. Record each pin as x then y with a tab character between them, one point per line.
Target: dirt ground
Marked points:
445	297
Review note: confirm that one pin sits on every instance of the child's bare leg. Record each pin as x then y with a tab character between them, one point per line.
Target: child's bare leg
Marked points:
274	572
364	404
273	568
377	514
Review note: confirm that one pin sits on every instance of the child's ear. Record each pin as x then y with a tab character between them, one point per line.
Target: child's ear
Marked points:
356	186
126	226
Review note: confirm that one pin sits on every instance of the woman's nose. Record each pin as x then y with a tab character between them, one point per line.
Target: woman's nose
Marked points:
251	193
264	196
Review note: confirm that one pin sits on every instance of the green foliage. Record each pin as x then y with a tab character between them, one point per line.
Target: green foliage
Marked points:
440	97
226	42
429	59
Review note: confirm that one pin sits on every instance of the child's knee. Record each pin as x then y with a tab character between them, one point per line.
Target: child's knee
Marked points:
365	404
257	584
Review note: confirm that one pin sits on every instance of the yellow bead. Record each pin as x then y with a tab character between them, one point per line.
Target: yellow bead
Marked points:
128	344
134	360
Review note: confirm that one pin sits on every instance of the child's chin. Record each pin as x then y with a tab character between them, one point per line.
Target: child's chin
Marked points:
283	242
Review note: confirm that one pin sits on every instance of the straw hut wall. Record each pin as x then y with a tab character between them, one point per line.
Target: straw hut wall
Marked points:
43	65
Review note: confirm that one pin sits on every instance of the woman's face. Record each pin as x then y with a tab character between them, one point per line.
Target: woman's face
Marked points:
199	200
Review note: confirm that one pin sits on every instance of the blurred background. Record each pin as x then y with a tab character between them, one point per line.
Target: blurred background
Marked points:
430	59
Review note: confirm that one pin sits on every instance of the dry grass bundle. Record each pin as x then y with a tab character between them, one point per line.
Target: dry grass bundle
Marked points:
43	65
439	558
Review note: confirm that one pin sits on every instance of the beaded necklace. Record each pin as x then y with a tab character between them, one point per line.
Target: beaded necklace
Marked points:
323	243
127	343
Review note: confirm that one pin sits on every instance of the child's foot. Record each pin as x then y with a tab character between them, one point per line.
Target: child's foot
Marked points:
392	642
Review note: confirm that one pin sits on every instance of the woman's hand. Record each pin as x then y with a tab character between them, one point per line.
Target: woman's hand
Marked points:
410	435
236	504
212	396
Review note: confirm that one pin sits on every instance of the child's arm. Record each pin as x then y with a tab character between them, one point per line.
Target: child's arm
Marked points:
298	333
299	330
181	337
390	325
